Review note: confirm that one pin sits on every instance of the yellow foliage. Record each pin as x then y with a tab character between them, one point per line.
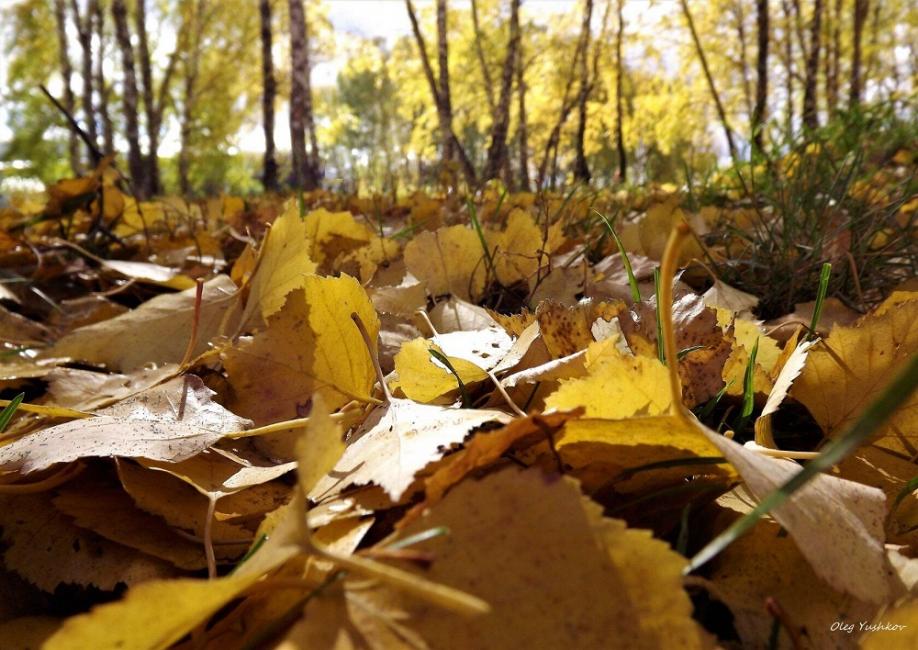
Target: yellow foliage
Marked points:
424	379
448	260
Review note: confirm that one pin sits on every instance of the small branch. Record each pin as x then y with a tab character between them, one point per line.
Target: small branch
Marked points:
93	149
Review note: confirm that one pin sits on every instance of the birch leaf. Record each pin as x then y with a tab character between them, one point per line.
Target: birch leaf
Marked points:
398	440
145	425
311	345
156	332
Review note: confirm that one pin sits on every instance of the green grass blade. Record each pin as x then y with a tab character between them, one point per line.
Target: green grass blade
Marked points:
684	352
632	281
910	487
463	392
712	403
894	395
749	382
301	205
668	464
7	413
473	215
824	276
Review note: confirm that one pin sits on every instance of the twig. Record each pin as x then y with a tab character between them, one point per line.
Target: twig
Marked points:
93	149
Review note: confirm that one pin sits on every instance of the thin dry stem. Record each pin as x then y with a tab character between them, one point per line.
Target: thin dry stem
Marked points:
500	389
209	538
667	276
196	320
374	356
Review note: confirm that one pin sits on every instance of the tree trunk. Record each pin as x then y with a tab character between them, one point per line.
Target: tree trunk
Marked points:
443	74
861	7
153	109
581	169
191	61
129	93
707	74
84	27
269	91
108	128
810	116
567	105
60	20
304	175
443	114
833	44
761	70
789	64
497	152
152	183
479	51
619	118
523	126
743	66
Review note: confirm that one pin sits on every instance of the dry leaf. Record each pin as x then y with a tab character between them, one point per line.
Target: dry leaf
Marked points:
156	332
398	440
310	345
556	573
145	425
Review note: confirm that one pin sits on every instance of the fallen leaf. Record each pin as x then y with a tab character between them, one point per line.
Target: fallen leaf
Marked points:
396	441
156	332
311	345
615	386
282	266
424	379
835	523
872	351
145	425
585	581
448	261
766	564
110	513
48	551
483	450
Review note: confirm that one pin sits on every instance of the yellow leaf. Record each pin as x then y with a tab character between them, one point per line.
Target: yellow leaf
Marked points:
319	448
615	387
110	513
332	233
44	547
566	330
896	629
518	246
310	345
448	260
153	615
282	266
586	441
369	257
424	379
156	614
872	351
556	573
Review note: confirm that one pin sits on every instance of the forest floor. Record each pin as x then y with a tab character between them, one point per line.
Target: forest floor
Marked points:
566	420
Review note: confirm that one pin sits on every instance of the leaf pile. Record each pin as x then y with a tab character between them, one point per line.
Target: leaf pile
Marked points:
422	429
